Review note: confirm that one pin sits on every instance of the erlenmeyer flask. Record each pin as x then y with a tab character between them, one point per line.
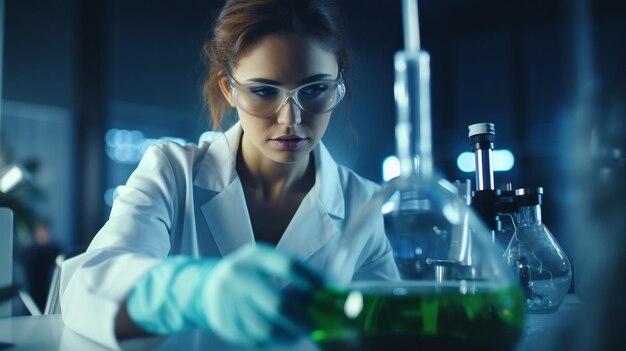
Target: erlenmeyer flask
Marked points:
453	289
542	267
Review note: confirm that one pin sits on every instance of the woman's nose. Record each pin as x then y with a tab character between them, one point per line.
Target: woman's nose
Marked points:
290	114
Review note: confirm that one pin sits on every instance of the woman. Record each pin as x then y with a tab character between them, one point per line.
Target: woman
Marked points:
179	251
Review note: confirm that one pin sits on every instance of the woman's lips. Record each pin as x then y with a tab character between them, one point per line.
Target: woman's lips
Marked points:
290	143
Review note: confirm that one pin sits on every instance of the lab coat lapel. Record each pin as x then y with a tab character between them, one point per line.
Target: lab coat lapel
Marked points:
310	229
226	213
317	219
227	216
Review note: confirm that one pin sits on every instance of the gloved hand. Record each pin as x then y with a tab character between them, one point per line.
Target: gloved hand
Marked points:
241	298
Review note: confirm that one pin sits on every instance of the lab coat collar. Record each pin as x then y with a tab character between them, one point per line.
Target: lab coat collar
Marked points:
218	171
226	212
223	150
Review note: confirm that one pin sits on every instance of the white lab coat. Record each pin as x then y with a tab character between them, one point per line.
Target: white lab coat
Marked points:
189	200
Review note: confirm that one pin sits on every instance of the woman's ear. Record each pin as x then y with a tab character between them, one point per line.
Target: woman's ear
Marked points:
226	90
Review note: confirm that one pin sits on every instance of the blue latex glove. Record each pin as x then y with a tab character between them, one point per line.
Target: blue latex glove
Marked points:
242	297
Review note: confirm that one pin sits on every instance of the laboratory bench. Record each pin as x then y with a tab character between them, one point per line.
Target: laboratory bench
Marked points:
49	333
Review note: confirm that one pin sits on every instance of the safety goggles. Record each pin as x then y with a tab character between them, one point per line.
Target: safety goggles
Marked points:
264	100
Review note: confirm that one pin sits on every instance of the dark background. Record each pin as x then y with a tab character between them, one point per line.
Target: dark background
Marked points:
74	69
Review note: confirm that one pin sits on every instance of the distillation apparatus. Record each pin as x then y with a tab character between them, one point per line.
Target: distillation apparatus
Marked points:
450	288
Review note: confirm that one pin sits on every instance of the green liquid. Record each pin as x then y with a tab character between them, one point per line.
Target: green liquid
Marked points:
418	318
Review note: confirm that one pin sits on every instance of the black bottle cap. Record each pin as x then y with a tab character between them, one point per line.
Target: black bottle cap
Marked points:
529	196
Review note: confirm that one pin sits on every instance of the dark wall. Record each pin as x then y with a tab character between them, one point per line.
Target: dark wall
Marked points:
39	98
39	52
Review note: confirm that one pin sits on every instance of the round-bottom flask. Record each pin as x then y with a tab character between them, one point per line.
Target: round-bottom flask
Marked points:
542	267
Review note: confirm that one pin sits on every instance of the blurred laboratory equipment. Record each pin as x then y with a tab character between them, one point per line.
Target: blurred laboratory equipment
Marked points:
12	176
453	289
543	269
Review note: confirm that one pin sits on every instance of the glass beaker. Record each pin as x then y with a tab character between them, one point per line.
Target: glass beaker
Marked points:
542	267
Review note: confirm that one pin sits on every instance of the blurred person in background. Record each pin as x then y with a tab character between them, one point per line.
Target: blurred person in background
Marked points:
32	250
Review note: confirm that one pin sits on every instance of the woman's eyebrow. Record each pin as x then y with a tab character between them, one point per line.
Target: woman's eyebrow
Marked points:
312	78
263	81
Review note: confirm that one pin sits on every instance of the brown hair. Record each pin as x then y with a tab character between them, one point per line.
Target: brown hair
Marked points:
242	22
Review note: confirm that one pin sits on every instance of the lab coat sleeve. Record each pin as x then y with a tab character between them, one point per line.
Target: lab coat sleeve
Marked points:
134	239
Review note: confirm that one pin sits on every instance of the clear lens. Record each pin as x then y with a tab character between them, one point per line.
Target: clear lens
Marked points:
319	97
265	100
258	100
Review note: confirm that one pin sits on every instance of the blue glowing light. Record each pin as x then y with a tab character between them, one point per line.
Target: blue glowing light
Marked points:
110	195
391	168
501	161
128	146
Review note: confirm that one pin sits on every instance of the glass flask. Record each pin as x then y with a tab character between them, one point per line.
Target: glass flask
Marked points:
542	267
451	290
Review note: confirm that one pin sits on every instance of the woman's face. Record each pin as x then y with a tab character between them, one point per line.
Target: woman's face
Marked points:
287	61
